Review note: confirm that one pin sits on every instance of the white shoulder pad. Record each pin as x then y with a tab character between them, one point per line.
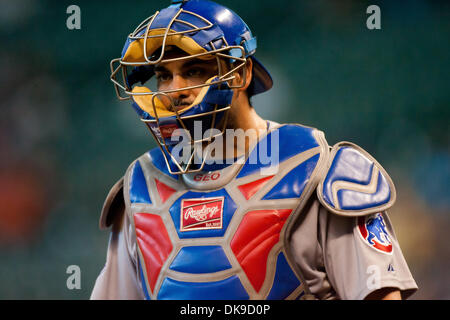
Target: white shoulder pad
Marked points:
113	200
355	184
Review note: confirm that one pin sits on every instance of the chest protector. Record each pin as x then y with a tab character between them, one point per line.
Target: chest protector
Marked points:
224	233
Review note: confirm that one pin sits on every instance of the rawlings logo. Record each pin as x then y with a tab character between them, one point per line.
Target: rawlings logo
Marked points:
201	214
373	231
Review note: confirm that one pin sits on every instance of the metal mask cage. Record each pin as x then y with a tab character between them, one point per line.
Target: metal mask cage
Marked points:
118	66
122	69
194	143
238	63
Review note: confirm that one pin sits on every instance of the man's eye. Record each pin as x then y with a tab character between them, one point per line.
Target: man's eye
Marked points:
162	77
195	72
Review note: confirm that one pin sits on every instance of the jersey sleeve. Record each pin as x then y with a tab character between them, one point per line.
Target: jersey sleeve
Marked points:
119	279
349	257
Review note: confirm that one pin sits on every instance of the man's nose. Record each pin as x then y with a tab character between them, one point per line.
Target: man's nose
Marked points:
178	83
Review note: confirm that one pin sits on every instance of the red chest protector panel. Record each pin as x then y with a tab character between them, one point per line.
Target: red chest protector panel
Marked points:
229	241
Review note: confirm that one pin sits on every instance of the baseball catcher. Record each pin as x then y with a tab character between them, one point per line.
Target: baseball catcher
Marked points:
230	205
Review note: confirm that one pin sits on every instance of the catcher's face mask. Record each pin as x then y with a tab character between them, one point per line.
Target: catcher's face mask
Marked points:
202	31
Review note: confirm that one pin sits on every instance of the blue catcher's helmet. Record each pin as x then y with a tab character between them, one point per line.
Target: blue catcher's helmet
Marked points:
202	30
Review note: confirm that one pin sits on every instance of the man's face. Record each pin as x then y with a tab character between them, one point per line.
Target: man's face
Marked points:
182	74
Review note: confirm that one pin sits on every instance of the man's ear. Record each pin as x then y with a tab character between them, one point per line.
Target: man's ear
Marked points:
249	73
247	69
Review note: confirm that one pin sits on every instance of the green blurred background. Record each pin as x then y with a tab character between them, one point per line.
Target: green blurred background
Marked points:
65	139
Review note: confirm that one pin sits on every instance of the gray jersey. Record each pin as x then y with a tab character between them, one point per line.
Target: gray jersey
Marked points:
338	263
335	259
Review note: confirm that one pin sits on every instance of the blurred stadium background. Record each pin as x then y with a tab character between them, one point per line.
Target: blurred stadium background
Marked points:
65	139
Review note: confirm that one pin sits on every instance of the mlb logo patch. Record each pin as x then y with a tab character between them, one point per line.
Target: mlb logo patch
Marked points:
373	231
201	214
